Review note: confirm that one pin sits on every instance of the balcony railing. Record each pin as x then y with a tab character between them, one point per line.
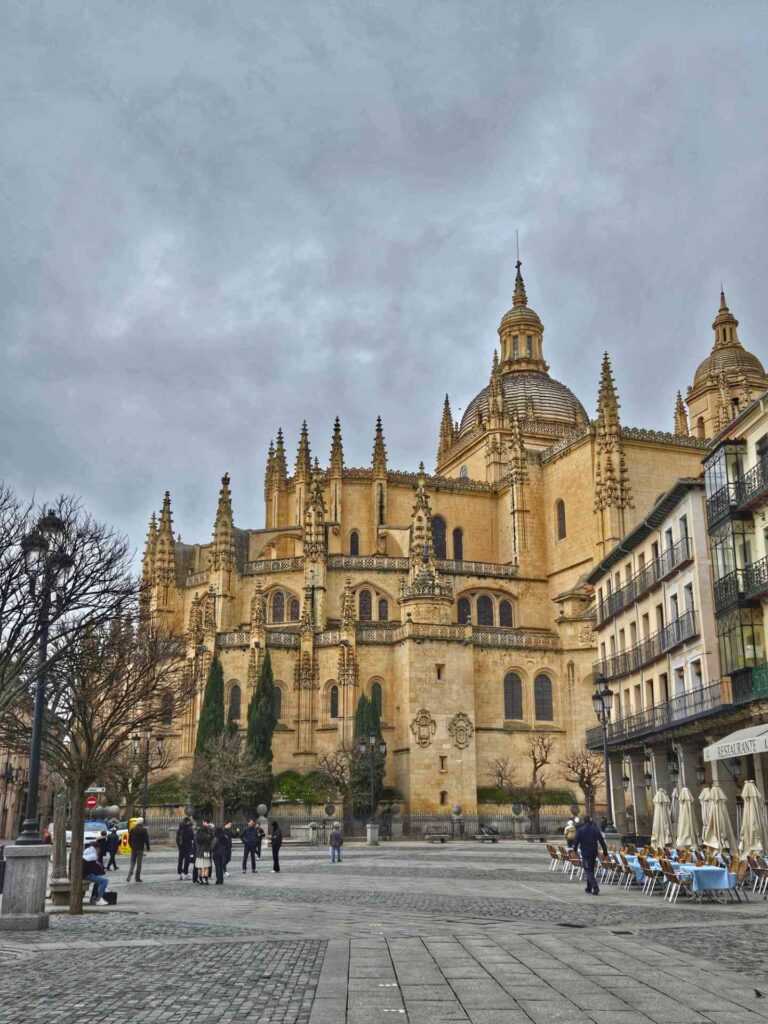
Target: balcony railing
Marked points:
750	684
741	585
634	658
700	703
756	578
721	503
647	578
740	494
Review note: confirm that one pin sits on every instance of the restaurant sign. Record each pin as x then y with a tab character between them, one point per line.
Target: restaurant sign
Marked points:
737	746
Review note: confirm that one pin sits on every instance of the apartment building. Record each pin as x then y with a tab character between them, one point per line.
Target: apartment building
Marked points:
658	654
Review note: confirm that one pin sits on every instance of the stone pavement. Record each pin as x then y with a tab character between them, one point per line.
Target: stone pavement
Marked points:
404	932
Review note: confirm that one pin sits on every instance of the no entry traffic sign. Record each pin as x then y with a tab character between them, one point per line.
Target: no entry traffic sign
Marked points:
90	802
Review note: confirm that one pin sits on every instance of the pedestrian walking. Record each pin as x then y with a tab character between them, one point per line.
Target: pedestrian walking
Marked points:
228	847
203	845
276	839
138	840
588	838
337	841
570	833
93	871
112	845
219	853
101	844
251	841
259	837
185	837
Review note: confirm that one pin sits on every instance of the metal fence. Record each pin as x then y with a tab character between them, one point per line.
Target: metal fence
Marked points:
294	820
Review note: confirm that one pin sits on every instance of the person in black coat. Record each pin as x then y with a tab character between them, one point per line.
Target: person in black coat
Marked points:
219	853
228	852
185	837
276	840
588	839
251	842
112	845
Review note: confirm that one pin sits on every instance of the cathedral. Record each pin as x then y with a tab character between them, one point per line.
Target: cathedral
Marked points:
456	600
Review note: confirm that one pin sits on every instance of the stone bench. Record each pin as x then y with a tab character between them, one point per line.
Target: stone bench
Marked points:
482	837
437	835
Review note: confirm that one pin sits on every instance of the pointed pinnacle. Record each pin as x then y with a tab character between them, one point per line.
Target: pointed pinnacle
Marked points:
520	298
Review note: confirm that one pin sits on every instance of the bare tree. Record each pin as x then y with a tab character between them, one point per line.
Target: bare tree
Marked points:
226	771
584	768
125	775
530	793
501	773
114	678
337	767
90	593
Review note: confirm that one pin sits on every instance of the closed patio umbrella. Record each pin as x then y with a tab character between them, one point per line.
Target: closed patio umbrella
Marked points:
705	806
687	830
661	831
674	808
754	834
718	832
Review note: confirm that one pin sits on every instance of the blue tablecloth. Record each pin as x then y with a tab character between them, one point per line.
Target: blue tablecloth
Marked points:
706	877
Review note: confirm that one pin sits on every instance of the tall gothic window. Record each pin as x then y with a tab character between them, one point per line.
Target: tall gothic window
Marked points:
542	698
365	606
293	609
383	610
167	709
278	607
560	518
234	703
334	702
354	543
505	613
465	610
484	610
458	544
529	346
377	697
513	697
438	537
277	702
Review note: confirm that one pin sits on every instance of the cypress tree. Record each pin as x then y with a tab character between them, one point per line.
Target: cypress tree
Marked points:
367	724
211	723
261	724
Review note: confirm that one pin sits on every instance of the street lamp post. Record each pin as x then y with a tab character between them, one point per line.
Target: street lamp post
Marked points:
46	564
136	740
602	702
368	748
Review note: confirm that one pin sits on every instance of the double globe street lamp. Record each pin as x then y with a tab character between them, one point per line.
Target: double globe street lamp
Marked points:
368	748
48	565
602	702
136	741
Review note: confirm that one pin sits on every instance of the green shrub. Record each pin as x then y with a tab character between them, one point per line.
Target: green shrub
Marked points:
549	798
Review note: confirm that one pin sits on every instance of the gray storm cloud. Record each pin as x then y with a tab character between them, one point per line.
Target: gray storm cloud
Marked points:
218	219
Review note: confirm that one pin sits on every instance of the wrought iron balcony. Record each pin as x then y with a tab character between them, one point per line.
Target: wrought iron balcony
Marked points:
750	684
753	486
720	504
756	579
645	579
683	628
688	707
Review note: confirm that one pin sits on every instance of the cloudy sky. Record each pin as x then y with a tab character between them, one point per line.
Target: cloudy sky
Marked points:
221	218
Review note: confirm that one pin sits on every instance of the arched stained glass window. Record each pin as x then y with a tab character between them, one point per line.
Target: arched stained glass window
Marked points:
277	702
383	609
458	544
513	696
354	543
505	613
484	610
278	607
365	605
234	703
560	518
377	697
438	536
334	702
293	609
542	698
465	610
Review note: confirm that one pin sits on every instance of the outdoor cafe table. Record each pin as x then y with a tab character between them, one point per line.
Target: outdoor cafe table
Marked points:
705	877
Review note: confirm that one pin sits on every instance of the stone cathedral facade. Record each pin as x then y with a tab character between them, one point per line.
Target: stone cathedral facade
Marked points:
456	600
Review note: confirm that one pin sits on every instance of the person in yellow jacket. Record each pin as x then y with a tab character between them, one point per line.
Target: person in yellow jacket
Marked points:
570	833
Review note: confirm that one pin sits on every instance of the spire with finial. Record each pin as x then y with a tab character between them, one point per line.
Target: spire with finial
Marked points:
518	461
269	470
314	518
447	432
612	487
165	550
681	417
725	326
150	550
496	395
379	451
521	333
337	452
520	298
223	549
421	550
303	457
280	470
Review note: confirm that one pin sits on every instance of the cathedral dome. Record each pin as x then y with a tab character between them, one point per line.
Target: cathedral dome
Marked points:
531	395
732	360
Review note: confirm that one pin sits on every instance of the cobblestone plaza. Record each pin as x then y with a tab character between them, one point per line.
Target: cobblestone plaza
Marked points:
406	932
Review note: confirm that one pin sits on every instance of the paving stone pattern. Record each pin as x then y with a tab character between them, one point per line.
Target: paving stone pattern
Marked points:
401	932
